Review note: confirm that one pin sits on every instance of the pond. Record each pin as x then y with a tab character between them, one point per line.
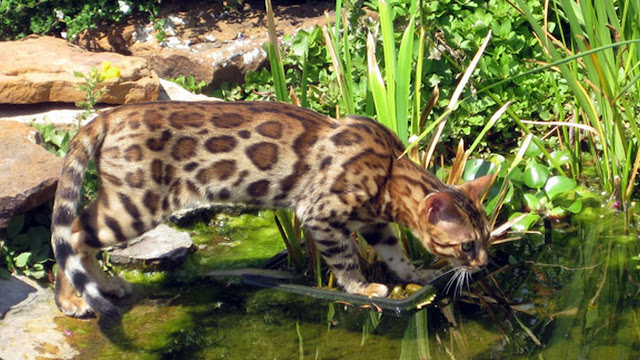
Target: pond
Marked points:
568	292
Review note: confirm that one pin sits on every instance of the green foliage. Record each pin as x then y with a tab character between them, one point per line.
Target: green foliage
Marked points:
19	18
91	90
596	52
307	72
24	245
55	141
158	26
189	83
531	184
453	31
90	87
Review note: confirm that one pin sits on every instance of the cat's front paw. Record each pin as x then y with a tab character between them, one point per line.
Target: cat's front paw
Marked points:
375	290
73	305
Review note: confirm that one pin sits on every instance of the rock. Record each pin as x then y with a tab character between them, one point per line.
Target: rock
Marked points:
213	64
43	113
41	69
28	330
14	291
28	172
160	248
14	129
67	114
205	40
172	91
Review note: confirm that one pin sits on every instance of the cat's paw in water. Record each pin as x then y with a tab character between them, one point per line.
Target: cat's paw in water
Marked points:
375	290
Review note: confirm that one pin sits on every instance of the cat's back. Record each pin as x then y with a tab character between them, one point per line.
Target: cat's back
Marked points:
259	129
258	152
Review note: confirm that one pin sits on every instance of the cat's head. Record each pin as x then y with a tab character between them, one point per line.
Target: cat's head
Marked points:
456	226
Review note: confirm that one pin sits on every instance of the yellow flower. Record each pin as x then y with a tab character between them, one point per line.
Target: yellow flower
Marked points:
109	71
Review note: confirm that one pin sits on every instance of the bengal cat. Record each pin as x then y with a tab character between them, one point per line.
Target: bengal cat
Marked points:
339	176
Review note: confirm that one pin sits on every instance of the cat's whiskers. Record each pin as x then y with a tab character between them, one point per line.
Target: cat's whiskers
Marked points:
453	280
460	279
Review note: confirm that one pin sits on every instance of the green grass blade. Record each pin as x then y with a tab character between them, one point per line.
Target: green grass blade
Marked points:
377	87
346	50
405	60
415	118
273	51
390	65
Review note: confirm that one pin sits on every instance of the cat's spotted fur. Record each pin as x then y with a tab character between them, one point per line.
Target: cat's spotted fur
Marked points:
339	176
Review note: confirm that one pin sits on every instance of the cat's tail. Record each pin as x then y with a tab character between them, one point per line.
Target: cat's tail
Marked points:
81	151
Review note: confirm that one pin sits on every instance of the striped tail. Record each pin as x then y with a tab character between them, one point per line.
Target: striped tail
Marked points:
82	149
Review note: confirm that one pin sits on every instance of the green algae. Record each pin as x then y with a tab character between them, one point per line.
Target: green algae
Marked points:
235	241
227	242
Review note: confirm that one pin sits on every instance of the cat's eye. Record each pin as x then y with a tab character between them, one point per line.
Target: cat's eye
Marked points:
467	247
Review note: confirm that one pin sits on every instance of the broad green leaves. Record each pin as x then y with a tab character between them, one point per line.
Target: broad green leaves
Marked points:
26	249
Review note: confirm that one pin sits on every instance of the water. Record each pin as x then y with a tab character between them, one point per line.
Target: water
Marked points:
569	293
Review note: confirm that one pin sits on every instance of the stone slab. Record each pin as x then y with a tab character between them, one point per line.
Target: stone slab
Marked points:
40	69
28	330
28	172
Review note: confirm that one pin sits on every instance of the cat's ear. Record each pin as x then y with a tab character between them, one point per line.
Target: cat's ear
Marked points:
477	187
440	207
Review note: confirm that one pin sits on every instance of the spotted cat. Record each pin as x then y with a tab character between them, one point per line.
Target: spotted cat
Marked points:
339	176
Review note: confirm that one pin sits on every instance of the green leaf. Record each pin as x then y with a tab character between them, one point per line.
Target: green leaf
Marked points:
533	150
39	234
22	259
558	185
558	213
42	255
535	175
526	222
531	201
15	226
475	168
38	274
516	175
561	157
20	243
575	207
57	139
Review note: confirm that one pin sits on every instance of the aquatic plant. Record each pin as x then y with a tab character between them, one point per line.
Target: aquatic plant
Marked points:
595	49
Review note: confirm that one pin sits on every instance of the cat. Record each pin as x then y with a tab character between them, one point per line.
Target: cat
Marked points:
338	176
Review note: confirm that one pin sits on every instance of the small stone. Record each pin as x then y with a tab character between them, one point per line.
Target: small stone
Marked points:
160	248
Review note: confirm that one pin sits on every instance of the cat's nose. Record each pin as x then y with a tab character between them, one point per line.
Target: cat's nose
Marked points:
480	260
